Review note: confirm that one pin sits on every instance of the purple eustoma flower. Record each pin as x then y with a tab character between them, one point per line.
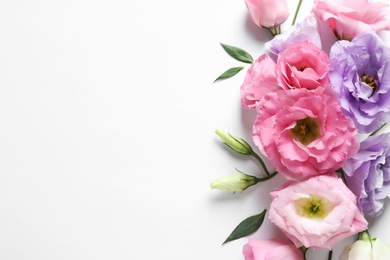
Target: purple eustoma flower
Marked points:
368	174
307	30
360	74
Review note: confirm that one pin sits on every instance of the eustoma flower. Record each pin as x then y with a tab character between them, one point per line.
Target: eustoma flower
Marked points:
307	30
368	173
260	79
272	249
304	133
360	74
366	248
302	65
348	18
268	13
317	212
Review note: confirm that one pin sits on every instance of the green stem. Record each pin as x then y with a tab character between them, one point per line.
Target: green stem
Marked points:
266	178
297	11
274	30
261	162
377	130
271	31
330	255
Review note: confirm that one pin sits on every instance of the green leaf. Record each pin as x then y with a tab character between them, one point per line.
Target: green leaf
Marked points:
247	227
237	53
229	73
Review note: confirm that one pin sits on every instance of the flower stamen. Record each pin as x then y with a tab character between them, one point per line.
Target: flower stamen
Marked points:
370	81
314	207
305	130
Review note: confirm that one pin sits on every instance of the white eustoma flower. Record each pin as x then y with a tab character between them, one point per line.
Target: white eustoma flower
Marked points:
366	248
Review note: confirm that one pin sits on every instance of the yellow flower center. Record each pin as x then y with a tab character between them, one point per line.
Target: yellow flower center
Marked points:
370	81
305	130
315	207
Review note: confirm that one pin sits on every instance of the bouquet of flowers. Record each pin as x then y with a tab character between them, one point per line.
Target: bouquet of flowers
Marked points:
319	121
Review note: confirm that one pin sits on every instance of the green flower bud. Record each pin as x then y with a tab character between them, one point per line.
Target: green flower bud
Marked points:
237	144
235	182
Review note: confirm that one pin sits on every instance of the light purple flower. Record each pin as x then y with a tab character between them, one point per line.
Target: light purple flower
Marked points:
360	74
368	173
305	31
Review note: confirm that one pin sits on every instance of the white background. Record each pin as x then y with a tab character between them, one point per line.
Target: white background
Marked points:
107	143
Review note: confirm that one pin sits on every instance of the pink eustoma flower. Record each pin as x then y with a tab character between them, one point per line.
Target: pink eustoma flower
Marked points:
348	18
268	13
302	65
272	249
304	132
260	80
317	212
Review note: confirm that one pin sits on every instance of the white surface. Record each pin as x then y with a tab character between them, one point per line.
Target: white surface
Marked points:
108	112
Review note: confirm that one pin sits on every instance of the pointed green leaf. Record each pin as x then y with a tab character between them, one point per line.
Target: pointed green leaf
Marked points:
247	227
237	53
229	73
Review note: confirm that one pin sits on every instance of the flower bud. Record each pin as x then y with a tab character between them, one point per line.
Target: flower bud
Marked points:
268	13
235	182
237	144
366	248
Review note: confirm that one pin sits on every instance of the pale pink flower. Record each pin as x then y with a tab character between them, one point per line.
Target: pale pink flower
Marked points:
307	30
260	80
317	212
272	249
304	133
348	18
302	65
267	13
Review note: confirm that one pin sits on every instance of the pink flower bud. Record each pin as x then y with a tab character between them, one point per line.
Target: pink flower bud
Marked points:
268	13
